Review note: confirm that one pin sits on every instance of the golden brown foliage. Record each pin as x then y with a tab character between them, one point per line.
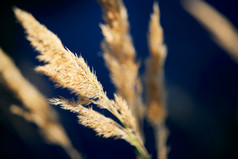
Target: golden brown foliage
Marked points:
223	31
88	117
154	76
70	71
120	54
39	111
154	79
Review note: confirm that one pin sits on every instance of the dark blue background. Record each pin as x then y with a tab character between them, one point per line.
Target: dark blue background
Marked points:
201	79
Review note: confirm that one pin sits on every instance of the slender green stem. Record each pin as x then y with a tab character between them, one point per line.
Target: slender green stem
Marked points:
139	145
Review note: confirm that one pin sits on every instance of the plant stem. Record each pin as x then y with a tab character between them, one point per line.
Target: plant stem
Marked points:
139	145
135	141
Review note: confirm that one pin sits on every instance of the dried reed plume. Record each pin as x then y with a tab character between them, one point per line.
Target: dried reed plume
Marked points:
104	126
154	79
38	111
224	33
120	54
70	71
154	69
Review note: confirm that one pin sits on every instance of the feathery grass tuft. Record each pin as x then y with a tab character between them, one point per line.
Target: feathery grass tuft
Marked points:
154	76
154	80
39	112
120	54
69	71
104	126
